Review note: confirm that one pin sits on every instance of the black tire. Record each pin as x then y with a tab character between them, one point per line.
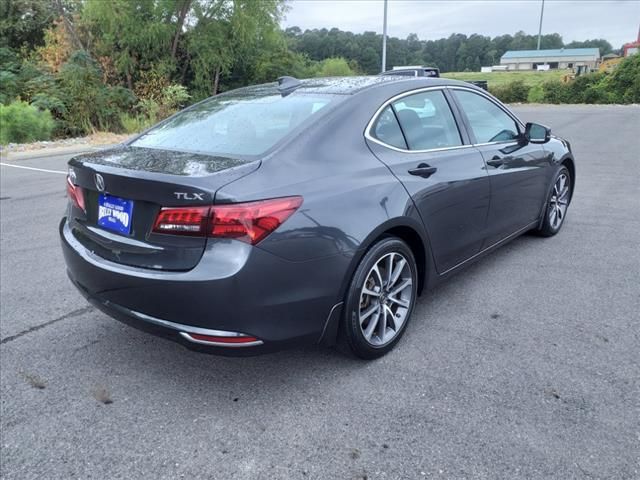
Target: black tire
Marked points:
357	302
552	224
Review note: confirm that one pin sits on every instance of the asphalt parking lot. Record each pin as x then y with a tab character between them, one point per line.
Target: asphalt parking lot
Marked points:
526	365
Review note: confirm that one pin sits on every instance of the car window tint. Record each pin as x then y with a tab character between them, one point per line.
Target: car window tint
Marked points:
387	130
488	121
427	121
241	124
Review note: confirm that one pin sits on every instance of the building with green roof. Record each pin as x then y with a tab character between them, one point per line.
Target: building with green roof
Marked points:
555	58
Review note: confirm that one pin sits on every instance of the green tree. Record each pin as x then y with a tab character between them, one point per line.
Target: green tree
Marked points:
133	33
229	35
23	22
600	43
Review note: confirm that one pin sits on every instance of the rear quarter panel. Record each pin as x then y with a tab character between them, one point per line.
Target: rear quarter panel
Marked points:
350	197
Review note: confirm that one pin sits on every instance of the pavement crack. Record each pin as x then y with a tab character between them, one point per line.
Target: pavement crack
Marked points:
73	313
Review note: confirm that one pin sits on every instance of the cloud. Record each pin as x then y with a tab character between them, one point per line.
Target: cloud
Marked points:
616	21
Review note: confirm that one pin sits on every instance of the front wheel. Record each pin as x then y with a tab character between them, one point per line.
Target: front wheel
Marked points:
557	204
380	299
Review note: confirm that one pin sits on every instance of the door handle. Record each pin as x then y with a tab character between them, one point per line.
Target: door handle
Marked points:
423	170
495	162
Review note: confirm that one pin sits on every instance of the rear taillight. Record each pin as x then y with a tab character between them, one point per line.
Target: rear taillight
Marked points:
75	194
249	222
183	221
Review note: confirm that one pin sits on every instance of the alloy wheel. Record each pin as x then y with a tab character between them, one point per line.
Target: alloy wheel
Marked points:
559	201
385	299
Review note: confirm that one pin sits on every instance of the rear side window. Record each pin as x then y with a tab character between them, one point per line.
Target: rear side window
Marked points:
427	121
240	124
488	121
387	130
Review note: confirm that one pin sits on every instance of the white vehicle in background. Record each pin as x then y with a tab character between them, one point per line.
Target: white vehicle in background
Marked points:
413	71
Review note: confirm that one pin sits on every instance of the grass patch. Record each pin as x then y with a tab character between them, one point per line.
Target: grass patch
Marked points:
498	79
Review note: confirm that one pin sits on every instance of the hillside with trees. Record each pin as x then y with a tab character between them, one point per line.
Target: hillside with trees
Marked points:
73	67
457	53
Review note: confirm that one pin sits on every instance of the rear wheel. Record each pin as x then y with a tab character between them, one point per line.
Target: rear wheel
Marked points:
380	299
557	204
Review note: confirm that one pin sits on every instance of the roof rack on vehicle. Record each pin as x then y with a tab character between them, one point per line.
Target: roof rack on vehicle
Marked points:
287	85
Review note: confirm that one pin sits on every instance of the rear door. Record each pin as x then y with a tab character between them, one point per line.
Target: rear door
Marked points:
516	168
417	137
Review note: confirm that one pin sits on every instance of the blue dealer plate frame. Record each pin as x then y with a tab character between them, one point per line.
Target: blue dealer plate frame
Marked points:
115	213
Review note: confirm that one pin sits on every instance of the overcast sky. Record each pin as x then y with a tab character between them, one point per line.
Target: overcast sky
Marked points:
614	20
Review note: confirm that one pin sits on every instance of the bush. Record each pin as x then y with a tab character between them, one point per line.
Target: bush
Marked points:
115	102
150	112
513	92
8	86
334	67
536	94
624	83
134	123
555	91
44	101
90	104
21	123
589	88
83	91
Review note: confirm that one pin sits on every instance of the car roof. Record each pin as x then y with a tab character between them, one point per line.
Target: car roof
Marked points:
353	85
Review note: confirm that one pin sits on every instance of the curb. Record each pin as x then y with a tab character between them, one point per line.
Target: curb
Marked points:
51	152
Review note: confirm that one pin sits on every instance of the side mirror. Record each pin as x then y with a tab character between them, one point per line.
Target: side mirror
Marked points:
536	133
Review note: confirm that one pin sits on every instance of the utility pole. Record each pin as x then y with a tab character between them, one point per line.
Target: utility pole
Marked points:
540	28
384	38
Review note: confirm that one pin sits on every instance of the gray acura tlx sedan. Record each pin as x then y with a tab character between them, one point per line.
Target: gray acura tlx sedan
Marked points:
307	211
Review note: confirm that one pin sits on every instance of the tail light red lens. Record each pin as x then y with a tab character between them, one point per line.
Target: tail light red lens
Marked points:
252	221
249	222
75	194
183	221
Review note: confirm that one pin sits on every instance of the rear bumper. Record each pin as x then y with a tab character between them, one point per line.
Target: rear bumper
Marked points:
234	289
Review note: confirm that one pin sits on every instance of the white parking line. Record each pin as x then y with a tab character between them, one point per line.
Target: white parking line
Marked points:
33	168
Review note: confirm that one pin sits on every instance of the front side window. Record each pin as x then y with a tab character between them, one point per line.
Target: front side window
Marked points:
427	121
488	121
235	124
387	130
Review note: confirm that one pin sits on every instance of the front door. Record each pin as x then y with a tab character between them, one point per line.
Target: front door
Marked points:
516	168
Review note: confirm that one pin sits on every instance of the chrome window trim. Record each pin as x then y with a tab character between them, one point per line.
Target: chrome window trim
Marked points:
501	142
374	118
391	147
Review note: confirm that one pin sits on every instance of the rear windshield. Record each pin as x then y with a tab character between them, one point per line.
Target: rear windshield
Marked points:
236	124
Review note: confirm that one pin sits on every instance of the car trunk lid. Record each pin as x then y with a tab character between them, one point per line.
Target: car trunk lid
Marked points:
125	188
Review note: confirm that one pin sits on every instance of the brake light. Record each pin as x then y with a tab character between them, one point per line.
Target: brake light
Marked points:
249	222
252	221
75	194
183	221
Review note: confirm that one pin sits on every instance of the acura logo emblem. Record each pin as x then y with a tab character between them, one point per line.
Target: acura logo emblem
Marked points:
99	182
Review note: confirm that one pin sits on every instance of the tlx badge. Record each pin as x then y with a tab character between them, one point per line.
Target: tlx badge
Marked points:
189	196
